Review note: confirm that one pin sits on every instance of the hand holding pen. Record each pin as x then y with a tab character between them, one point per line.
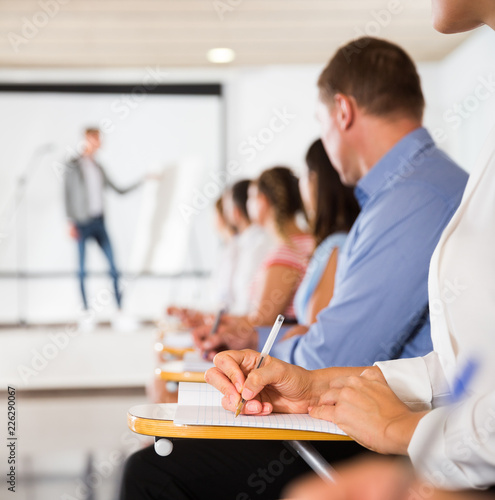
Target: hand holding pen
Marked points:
264	353
274	387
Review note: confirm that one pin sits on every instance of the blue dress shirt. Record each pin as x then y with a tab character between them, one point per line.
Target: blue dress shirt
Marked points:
379	309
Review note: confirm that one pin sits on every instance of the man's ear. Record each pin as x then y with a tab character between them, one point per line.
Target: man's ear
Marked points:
345	108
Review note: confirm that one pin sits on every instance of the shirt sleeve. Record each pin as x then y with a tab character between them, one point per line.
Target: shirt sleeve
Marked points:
382	291
285	260
418	382
117	189
460	445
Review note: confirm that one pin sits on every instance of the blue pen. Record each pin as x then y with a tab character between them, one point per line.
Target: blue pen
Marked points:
462	381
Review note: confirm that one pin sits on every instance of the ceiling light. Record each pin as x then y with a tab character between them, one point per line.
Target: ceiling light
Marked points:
220	55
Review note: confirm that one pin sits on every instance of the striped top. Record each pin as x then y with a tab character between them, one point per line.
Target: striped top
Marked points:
295	254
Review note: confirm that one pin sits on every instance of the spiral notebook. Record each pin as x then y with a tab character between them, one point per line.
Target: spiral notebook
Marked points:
200	404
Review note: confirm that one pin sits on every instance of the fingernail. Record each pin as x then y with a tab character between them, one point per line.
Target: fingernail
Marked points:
238	386
207	345
252	406
309	408
247	394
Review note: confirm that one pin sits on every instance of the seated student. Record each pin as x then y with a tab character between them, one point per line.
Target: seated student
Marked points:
332	210
407	190
274	203
253	244
250	245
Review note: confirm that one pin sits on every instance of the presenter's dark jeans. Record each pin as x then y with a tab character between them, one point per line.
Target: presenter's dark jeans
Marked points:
95	229
221	469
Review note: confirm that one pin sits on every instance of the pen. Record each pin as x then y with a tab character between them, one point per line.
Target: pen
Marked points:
264	353
462	381
216	323
215	326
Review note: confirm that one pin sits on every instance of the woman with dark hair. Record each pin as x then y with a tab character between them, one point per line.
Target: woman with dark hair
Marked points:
332	210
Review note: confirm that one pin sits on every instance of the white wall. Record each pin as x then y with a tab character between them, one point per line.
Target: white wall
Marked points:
255	99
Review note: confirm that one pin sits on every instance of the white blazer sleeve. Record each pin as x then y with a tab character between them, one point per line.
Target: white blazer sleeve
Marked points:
418	382
461	444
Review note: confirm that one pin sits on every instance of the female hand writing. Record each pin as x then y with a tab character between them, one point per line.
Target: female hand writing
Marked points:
275	387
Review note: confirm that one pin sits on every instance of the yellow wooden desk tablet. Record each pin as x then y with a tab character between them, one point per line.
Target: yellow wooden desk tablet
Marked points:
173	371
176	352
157	420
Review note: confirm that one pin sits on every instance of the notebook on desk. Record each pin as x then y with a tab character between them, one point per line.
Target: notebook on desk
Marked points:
200	404
179	340
193	362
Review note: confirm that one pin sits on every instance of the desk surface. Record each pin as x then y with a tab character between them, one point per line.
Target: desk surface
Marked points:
173	371
178	352
157	420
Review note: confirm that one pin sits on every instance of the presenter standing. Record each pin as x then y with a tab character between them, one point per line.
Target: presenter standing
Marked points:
85	182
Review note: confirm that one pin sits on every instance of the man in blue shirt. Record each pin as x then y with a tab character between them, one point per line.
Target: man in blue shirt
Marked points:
379	309
407	189
371	108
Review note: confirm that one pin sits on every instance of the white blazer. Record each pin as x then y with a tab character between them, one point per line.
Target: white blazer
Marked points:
461	448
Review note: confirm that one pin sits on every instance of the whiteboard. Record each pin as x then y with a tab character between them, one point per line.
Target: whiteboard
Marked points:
179	135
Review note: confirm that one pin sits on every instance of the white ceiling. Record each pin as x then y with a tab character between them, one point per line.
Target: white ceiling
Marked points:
178	33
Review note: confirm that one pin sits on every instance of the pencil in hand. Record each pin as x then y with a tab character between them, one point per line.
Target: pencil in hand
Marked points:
264	353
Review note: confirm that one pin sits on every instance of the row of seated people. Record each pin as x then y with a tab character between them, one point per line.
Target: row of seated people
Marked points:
270	265
381	354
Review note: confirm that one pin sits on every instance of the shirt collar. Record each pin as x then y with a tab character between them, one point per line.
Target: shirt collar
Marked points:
393	165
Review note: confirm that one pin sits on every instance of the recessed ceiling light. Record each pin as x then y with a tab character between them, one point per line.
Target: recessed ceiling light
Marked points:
221	55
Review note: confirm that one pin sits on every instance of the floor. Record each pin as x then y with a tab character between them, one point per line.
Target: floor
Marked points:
71	428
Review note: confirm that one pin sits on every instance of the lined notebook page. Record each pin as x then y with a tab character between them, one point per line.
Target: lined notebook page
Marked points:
200	404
